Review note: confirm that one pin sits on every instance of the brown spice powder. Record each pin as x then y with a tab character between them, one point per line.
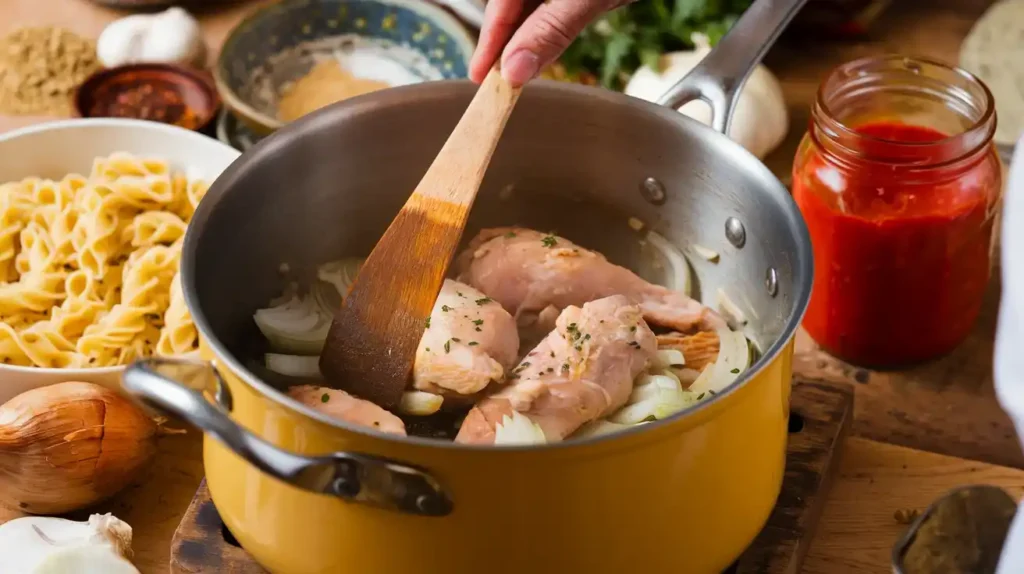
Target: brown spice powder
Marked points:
40	67
325	84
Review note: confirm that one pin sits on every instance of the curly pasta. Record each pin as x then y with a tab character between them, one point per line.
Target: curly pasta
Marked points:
89	265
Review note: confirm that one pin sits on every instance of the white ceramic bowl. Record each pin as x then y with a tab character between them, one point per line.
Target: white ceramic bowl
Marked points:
53	150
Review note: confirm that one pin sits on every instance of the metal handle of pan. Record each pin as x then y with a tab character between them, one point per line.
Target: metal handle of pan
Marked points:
717	79
177	386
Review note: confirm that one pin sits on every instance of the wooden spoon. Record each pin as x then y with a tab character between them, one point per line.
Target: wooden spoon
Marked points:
372	342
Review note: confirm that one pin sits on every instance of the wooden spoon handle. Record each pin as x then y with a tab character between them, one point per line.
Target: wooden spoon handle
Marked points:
458	170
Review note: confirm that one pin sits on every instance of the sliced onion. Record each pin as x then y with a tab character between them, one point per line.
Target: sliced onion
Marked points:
651	386
518	429
419	403
295	325
705	253
733	359
660	403
293	365
340	273
670	359
732	313
677	275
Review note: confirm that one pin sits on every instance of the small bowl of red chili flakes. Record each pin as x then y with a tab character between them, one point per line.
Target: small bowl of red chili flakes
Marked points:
162	93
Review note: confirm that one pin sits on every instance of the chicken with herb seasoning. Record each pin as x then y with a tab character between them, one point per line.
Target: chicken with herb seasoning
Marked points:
343	406
582	371
535	275
469	343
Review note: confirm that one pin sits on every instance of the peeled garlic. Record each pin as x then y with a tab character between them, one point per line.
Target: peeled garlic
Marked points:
172	36
70	445
760	119
42	545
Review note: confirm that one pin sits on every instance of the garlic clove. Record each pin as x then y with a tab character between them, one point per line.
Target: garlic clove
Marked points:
120	41
44	545
84	560
174	36
760	118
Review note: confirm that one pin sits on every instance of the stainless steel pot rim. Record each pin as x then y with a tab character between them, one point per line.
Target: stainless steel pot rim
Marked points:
802	272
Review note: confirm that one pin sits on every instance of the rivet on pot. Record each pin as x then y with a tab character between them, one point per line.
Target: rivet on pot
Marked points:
345	487
653	191
735	232
771	281
429	504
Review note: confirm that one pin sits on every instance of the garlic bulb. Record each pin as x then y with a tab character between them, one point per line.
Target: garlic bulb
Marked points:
70	445
760	120
172	36
42	545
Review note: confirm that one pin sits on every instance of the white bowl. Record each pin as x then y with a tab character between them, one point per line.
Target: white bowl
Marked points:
55	149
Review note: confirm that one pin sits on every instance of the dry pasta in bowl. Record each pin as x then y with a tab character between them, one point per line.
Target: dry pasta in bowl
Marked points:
89	265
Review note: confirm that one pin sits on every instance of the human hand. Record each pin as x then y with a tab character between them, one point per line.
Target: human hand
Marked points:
531	34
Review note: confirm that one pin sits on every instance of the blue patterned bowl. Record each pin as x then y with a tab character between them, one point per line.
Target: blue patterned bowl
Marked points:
277	45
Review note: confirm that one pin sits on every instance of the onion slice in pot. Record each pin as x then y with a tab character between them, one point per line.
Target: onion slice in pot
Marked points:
677	272
733	359
518	429
293	365
294	324
419	403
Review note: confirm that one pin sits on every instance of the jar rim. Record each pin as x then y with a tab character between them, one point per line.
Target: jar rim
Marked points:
985	122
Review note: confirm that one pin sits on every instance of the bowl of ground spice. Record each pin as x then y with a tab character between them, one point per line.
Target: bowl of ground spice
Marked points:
293	57
162	93
40	68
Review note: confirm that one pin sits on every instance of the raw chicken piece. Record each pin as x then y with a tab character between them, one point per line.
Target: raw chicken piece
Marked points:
534	275
343	406
470	341
582	371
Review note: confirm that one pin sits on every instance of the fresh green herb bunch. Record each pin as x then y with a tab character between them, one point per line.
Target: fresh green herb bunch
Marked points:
613	47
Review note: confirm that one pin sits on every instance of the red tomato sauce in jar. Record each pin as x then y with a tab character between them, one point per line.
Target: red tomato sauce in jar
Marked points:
901	218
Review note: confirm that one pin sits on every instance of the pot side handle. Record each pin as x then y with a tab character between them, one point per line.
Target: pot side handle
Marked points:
176	386
717	79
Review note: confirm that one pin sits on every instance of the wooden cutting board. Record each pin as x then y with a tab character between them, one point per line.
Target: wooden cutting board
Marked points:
820	417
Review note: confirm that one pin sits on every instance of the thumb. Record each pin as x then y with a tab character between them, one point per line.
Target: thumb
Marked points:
545	34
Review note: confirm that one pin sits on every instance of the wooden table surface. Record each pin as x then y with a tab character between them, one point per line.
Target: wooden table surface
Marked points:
946	408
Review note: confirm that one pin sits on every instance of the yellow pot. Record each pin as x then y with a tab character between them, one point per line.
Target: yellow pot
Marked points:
306	494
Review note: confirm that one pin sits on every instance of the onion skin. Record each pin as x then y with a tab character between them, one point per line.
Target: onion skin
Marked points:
68	446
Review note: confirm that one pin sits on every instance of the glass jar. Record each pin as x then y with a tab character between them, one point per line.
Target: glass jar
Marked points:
899	183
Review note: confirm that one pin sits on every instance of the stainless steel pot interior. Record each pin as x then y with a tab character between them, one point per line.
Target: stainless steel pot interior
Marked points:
576	160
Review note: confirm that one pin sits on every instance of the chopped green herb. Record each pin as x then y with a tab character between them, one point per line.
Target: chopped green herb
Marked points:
456	339
447	346
478	329
734	371
324	398
510	234
428	322
551	369
632	329
713	393
700	396
472	343
552	354
549	241
565	366
478	322
459	293
483	301
445	308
